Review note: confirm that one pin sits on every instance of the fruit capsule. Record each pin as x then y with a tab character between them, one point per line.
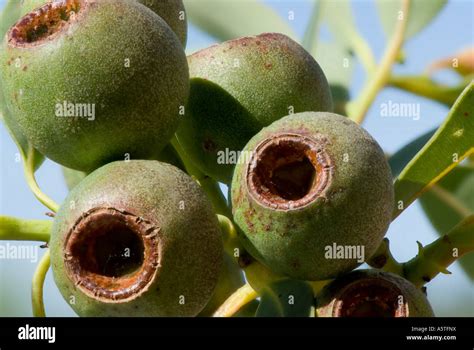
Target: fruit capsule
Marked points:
89	82
136	238
372	293
240	86
312	195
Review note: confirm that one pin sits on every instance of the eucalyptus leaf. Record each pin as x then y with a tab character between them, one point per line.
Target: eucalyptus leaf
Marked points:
450	201
447	202
226	20
402	157
337	56
451	143
341	22
420	14
338	65
310	37
426	87
286	298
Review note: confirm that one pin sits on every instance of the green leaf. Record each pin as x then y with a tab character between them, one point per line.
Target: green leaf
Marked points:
447	202
451	143
310	37
420	14
450	201
227	20
338	66
286	298
426	87
336	57
399	160
338	15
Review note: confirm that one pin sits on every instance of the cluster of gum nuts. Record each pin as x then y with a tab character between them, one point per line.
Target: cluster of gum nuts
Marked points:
140	237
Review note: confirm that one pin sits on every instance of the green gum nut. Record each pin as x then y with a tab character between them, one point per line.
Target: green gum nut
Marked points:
174	14
13	10
372	293
240	86
136	238
100	81
312	196
171	11
168	155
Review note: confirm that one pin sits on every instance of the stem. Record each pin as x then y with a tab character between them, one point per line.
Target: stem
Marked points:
37	285
383	259
359	108
190	167
259	276
437	256
213	191
14	229
231	240
29	170
209	185
236	301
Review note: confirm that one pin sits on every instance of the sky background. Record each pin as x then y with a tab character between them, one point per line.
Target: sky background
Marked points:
451	31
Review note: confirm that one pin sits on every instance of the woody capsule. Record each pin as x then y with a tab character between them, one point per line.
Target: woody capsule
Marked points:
93	81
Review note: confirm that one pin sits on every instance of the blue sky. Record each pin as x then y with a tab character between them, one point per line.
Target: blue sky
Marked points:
451	31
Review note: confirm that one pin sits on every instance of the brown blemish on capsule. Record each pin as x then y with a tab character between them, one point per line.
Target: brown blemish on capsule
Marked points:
45	22
268	65
370	297
112	255
288	171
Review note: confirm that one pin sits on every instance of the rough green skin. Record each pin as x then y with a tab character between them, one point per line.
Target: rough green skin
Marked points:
191	253
356	211
171	11
229	104
418	305
13	10
168	155
136	107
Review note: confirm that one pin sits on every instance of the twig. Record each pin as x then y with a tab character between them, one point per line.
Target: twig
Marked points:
437	256
37	285
236	301
14	229
375	83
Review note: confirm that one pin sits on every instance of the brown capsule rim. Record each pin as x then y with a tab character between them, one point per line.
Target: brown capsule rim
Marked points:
105	288
314	148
